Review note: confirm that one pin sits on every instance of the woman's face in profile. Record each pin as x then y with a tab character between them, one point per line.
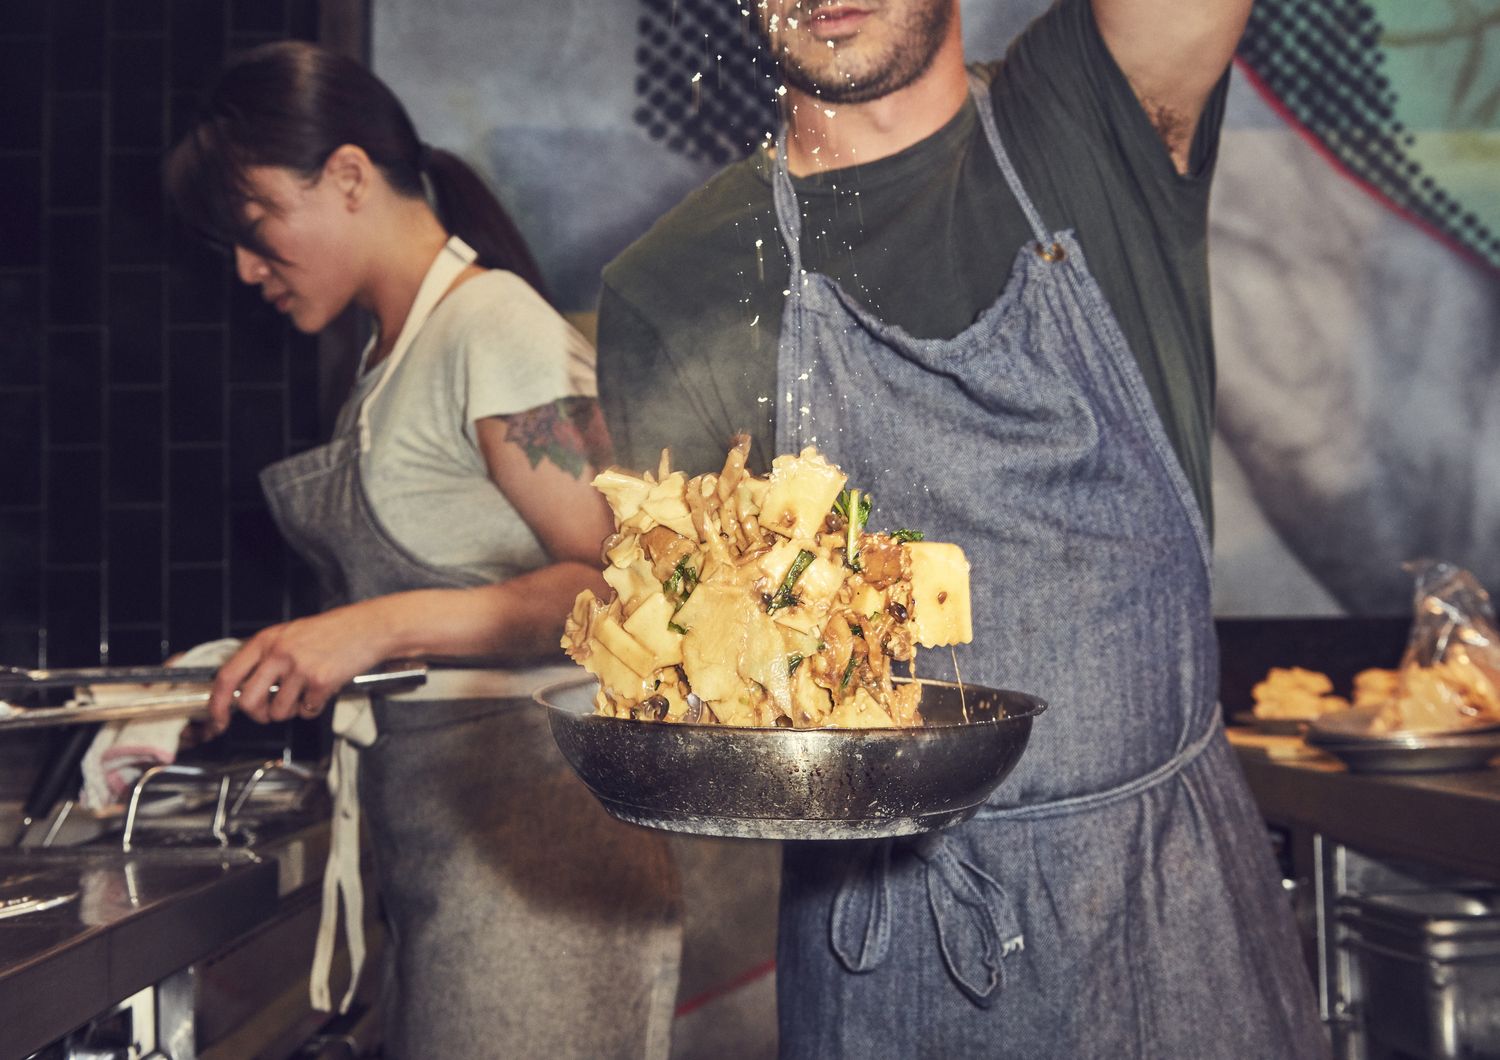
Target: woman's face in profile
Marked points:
309	272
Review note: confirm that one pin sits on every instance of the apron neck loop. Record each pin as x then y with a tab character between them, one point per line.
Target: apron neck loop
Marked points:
788	214
979	88
452	260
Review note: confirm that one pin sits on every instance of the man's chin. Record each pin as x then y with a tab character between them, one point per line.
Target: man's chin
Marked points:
836	86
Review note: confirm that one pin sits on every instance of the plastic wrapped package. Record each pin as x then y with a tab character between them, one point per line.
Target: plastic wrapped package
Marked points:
1449	676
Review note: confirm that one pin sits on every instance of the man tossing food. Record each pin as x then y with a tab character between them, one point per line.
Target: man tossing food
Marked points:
982	292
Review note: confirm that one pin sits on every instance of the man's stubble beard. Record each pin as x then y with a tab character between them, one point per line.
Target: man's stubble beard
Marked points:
909	57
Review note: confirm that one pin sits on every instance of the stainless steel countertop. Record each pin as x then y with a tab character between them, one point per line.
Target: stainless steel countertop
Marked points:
137	919
1445	820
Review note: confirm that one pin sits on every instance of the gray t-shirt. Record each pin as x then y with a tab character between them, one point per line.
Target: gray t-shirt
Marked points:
492	347
690	314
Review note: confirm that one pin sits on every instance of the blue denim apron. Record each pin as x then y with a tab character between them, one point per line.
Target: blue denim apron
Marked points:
1117	898
526	920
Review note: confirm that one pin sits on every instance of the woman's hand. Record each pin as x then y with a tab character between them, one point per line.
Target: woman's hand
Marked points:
309	659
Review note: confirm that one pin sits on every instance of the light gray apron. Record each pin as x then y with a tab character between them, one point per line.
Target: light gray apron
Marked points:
1118	897
527	922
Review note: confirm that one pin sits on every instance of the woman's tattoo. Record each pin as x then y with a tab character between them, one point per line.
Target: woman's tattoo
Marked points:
569	432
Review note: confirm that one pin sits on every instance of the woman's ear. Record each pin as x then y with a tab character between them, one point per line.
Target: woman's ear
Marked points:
351	173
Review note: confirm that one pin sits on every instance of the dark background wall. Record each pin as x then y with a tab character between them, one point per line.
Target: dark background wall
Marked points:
141	387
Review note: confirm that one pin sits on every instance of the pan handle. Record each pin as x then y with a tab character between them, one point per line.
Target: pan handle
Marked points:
184	704
15	682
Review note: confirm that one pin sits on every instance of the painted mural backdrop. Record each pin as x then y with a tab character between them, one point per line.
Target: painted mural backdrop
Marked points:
1357	303
1355	242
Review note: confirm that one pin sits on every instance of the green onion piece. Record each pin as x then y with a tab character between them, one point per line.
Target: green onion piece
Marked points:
793	661
848	671
683	581
906	535
784	597
854	506
675	628
851	531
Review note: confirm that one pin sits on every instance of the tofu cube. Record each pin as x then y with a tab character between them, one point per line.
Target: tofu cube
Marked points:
614	675
940	594
803	489
623	646
634	585
648	625
666	503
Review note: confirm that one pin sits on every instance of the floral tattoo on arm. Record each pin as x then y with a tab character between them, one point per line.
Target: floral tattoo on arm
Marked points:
569	432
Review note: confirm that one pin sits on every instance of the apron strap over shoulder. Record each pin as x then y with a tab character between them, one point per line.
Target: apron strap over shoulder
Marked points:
979	88
452	260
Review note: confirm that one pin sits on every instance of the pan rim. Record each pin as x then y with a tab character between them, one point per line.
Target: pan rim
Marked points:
1035	706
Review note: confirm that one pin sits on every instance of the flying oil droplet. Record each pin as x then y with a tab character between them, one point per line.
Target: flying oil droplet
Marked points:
697	90
760	261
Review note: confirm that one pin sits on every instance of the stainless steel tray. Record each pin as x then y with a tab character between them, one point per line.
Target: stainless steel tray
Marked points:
797	783
1271	726
1346	736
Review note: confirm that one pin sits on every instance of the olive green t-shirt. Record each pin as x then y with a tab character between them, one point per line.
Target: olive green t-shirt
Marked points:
690	314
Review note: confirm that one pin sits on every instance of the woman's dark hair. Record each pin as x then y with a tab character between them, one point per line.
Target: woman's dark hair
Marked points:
292	104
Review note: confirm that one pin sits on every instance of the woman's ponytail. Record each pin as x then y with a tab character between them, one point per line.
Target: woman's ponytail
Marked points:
469	210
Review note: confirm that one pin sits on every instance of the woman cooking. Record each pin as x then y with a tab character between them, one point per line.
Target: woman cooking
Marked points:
451	515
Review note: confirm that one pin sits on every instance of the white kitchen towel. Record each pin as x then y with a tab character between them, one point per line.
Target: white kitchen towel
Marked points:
123	750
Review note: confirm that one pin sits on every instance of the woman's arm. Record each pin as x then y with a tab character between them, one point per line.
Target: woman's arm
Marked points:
543	460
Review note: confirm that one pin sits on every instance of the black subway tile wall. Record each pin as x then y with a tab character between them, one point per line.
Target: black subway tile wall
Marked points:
141	388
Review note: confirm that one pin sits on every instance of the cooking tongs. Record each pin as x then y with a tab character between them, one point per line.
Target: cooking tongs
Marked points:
17	683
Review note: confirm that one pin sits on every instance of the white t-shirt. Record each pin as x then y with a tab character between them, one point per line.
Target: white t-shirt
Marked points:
492	347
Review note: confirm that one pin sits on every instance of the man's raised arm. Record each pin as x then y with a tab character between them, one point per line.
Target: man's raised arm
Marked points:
1173	52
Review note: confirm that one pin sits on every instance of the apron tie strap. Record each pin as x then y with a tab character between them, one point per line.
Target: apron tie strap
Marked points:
976	921
354	726
860	923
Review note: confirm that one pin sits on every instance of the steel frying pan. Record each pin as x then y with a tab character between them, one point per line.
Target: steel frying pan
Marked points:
758	783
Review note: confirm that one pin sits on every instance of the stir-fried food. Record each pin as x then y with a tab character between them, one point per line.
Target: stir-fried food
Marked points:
1292	693
762	600
1448	695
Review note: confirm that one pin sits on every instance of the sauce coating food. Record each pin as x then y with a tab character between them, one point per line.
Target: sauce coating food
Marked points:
762	600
